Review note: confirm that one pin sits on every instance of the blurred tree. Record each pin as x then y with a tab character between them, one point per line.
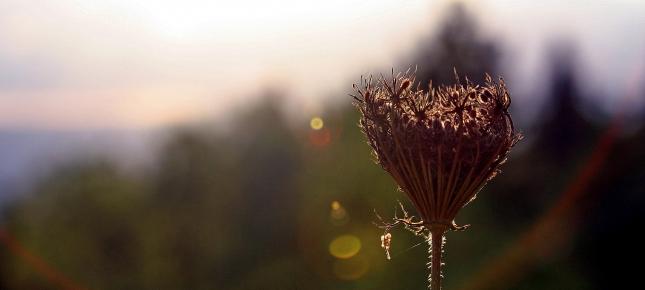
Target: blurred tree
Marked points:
224	207
613	211
269	163
458	44
80	221
564	131
214	211
554	148
189	231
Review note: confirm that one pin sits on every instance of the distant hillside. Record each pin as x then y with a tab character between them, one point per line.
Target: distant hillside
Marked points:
25	155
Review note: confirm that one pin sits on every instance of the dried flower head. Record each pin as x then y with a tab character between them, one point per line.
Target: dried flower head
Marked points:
441	146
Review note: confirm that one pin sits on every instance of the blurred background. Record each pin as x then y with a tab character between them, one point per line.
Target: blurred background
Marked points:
213	145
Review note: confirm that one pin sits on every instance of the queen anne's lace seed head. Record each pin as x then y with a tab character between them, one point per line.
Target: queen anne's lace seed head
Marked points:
442	145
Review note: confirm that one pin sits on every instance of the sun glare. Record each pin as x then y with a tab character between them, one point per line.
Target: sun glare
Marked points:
220	51
200	19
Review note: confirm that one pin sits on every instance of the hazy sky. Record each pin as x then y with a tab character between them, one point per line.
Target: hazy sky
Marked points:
70	64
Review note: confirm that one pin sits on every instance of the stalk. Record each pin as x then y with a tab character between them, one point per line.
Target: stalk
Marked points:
436	243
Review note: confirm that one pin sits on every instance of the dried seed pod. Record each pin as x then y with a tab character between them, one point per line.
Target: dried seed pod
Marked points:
441	146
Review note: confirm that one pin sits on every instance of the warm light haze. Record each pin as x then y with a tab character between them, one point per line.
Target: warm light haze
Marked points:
71	64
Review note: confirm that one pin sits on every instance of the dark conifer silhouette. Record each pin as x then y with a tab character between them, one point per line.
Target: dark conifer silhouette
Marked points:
458	44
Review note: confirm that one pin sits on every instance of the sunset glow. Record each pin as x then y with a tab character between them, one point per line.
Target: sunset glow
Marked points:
118	63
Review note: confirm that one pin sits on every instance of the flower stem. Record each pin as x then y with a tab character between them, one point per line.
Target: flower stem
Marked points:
436	243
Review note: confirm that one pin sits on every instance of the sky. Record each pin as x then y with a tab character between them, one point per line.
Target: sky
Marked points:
119	64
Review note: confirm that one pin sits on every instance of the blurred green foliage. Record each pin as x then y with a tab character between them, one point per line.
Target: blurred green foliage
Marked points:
254	207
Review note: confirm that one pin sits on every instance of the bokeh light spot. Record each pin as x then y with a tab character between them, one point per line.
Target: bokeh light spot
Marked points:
320	138
345	246
350	269
338	215
316	123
